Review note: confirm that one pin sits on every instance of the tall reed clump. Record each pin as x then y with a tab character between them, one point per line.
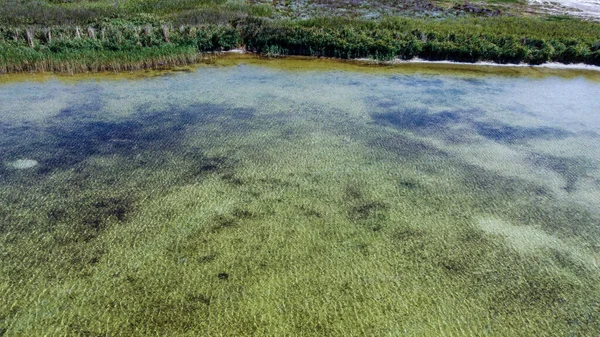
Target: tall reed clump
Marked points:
115	45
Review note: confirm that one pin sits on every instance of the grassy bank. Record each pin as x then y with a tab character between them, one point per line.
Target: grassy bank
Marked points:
502	40
136	44
79	35
116	45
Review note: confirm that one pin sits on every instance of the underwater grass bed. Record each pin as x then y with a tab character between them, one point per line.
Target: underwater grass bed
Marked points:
275	198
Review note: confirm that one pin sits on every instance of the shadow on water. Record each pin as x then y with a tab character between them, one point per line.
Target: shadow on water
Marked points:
415	81
88	199
89	105
417	119
407	148
505	133
526	203
368	213
426	122
75	134
570	169
516	199
492	192
144	140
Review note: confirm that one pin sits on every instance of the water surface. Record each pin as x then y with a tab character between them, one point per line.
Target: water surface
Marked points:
291	197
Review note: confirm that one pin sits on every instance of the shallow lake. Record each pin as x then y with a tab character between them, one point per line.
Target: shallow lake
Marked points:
302	198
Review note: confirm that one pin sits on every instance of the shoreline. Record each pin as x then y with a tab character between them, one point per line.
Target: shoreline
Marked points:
210	57
547	65
311	63
115	47
419	61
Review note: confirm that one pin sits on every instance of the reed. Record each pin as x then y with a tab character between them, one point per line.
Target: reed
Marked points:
502	40
153	38
121	45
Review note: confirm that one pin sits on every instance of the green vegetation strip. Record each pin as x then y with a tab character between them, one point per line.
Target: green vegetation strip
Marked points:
149	43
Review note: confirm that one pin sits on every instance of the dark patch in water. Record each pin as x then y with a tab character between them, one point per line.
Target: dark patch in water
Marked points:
56	215
406	233
4	172
16	141
407	184
231	178
564	260
406	147
74	144
472	236
211	164
571	169
570	220
509	134
241	213
370	214
422	120
452	266
199	298
534	292
353	192
497	194
416	118
87	219
462	135
368	210
222	221
9	130
80	204
445	93
474	81
68	143
98	213
415	81
206	258
231	219
310	212
92	105
117	208
491	185
201	165
442	124
385	103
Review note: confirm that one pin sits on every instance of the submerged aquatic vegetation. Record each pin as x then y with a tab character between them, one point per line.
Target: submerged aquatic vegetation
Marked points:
251	200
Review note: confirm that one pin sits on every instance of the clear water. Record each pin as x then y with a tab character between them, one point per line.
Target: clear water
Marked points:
292	197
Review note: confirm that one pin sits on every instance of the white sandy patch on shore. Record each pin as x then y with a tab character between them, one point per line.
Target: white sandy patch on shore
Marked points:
549	65
582	8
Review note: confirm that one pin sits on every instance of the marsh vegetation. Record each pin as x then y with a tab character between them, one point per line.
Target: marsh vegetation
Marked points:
81	36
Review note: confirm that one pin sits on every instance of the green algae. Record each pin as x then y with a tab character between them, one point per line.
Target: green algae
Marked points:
256	200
